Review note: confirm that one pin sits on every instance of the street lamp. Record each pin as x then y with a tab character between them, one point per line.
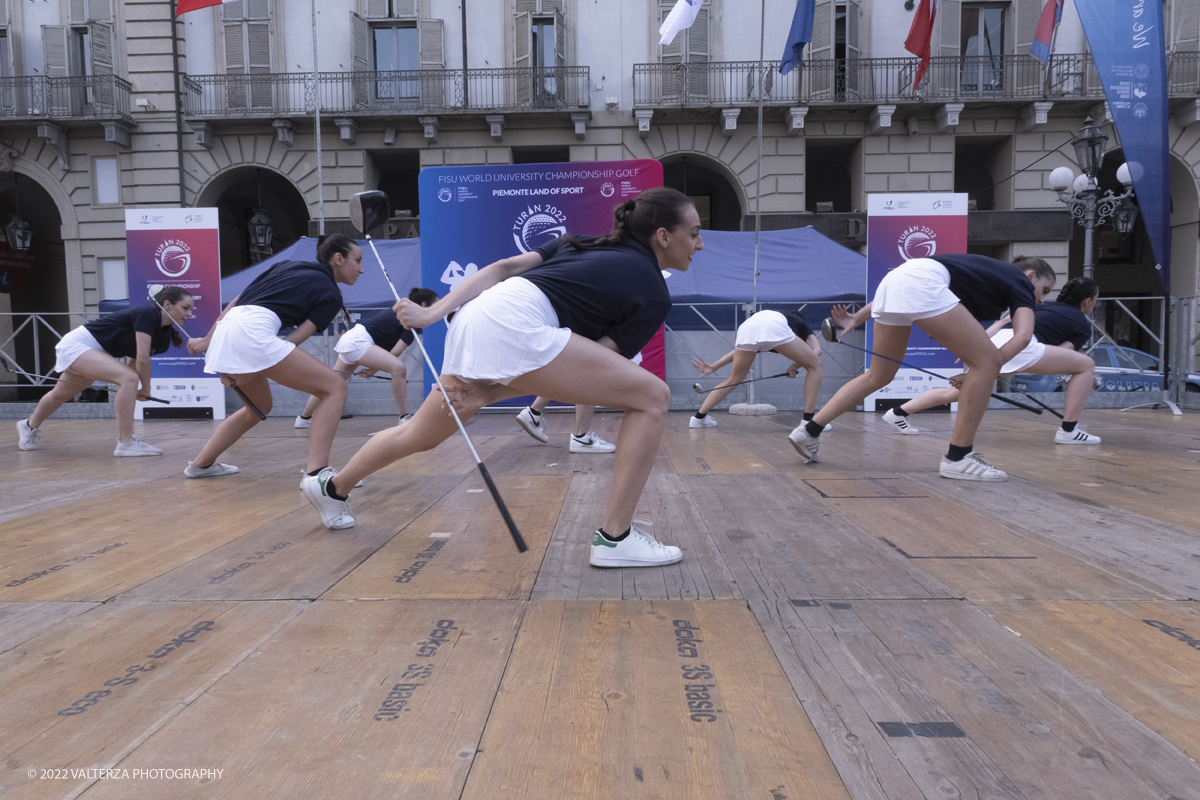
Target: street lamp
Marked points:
1089	206
20	235
260	228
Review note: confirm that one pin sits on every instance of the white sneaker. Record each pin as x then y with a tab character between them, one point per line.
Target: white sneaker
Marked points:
404	419
301	422
335	514
971	468
211	471
805	443
28	436
136	447
899	423
638	549
533	424
1077	436
707	422
591	443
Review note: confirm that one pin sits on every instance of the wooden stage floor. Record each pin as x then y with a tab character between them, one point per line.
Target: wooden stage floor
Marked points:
861	628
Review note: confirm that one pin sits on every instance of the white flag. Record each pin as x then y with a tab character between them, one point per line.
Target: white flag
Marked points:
681	16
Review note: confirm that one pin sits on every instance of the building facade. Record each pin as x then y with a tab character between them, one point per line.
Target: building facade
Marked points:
91	124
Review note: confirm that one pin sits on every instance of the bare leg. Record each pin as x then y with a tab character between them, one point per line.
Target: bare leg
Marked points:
303	372
381	360
94	365
255	387
958	332
800	352
539	404
930	398
313	400
1081	368
583	419
739	369
890	341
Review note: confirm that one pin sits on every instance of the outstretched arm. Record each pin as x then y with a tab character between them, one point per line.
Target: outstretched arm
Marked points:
708	369
417	316
847	321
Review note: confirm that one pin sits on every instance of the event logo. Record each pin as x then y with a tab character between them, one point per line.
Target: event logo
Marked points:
173	258
456	273
917	242
607	189
445	195
538	225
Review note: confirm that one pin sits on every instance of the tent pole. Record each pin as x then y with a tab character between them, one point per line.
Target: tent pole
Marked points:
762	35
317	125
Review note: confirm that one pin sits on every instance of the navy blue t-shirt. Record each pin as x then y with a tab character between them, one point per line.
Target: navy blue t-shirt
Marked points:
116	332
386	330
296	291
987	287
798	324
616	291
1057	322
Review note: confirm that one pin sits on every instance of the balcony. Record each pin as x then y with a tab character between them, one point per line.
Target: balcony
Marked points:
872	81
76	98
366	94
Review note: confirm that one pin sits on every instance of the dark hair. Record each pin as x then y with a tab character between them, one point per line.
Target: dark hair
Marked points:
333	244
171	294
1039	267
423	297
1076	290
639	218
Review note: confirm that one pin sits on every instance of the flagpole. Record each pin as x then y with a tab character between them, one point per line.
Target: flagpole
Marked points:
317	125
762	36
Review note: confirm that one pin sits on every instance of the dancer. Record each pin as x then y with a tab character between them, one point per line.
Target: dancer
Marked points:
244	347
1060	329
375	344
90	352
944	296
583	440
785	333
565	328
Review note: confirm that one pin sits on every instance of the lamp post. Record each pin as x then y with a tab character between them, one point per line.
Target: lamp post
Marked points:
1081	194
20	235
260	228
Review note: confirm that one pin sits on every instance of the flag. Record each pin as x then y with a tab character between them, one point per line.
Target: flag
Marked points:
681	16
194	5
919	34
1051	16
798	36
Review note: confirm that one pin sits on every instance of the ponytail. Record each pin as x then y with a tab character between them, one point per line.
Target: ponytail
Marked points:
1076	290
171	294
333	244
638	219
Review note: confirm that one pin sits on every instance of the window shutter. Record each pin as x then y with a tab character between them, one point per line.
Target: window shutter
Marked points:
1187	25
697	56
257	9
258	52
377	9
522	59
405	9
235	49
525	7
360	34
670	55
945	79
99	10
78	12
102	48
4	13
55	50
821	49
560	39
232	11
853	50
431	44
1028	12
551	5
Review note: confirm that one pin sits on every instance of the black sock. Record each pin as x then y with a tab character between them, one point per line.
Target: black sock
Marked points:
615	538
700	416
813	428
534	411
316	472
899	412
331	491
1069	427
304	417
956	453
808	415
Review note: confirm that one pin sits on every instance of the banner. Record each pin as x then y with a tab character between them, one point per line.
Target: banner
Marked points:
1127	42
473	216
178	247
901	227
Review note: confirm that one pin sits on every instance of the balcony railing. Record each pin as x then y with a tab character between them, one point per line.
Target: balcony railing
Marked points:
100	97
425	91
868	81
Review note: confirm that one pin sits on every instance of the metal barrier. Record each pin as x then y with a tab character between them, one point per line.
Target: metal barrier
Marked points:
34	322
73	97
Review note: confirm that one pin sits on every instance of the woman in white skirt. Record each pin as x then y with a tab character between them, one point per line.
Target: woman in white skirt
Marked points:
946	296
245	348
375	344
786	333
90	352
565	328
1060	330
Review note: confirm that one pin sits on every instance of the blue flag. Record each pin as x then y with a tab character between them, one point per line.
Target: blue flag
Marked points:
1126	39
798	36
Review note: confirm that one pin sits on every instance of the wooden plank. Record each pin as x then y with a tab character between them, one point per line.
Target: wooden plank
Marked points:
1142	656
461	549
90	690
294	556
349	700
20	622
28	496
703	451
607	700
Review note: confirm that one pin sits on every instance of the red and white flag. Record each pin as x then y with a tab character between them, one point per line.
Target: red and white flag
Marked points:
194	5
919	35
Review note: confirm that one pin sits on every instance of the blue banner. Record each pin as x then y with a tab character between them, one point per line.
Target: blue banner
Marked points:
1127	41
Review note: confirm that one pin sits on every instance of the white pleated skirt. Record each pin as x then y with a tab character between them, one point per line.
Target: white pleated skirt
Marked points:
71	346
506	332
1023	360
246	341
353	344
917	289
764	331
